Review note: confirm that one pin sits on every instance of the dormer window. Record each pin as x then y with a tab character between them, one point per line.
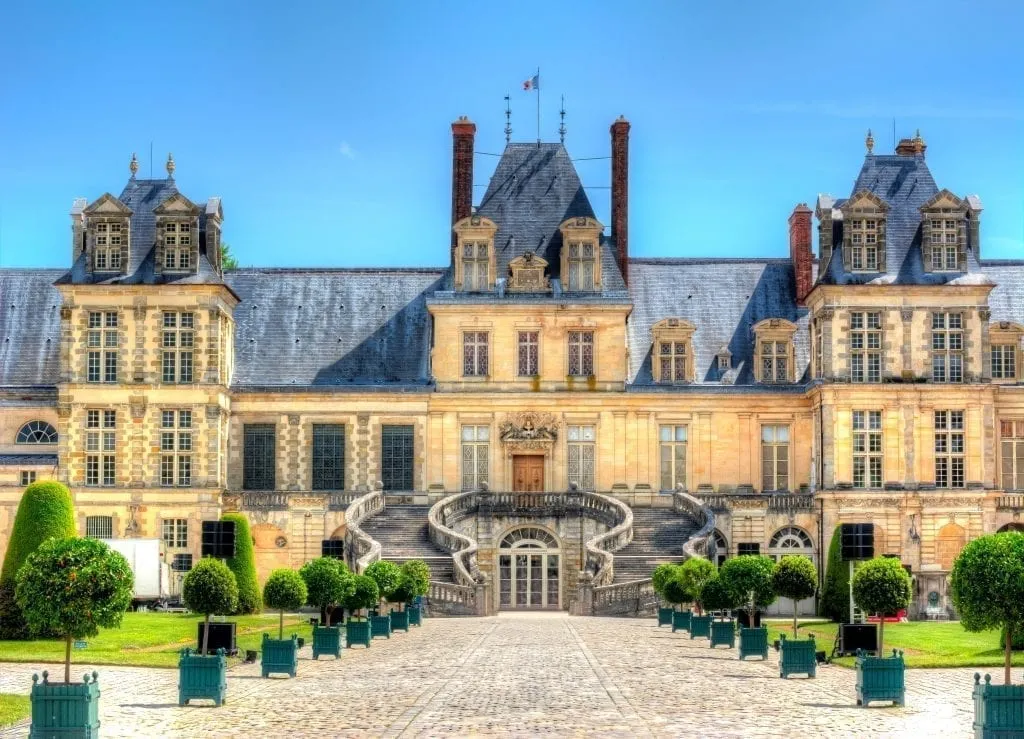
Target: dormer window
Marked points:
864	216
774	348
943	233
107	247
581	254
107	223
581	267
672	360
944	238
177	246
475	261
473	258
864	239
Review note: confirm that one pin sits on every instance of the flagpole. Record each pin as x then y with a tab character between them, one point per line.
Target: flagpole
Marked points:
538	106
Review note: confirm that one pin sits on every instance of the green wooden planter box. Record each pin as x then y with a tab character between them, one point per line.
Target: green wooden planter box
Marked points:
400	620
357	632
665	616
681	620
880	678
998	710
798	657
202	677
753	643
700	626
65	709
326	640
380	626
723	633
415	615
279	656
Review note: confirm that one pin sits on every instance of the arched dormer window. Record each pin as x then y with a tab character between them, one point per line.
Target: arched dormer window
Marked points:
864	217
108	229
37	432
672	360
473	261
944	233
581	254
773	348
177	235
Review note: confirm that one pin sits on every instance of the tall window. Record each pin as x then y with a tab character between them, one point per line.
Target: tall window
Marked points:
673	456
775	457
581	456
944	237
475	456
176	448
178	342
474	266
177	246
581	267
259	457
819	349
102	340
328	456
99	527
108	247
396	457
1011	441
100	447
529	353
949	449
673	357
775	361
581	353
174	532
474	353
865	347
37	432
947	347
864	239
867	449
27	477
1004	361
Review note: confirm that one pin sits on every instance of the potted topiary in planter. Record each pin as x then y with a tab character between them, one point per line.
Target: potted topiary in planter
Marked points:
675	593
798	656
693	575
749	578
328	583
795	578
661	575
881	586
401	594
71	587
416	572
364	595
209	588
988	592
717	596
386	575
283	591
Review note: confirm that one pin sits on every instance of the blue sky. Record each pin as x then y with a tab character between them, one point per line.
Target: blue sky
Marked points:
325	126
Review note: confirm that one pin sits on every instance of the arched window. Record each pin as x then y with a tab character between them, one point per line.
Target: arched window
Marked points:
529	536
37	432
790	540
721	548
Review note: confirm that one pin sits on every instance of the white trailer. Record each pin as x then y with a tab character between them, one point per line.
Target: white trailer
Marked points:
148	560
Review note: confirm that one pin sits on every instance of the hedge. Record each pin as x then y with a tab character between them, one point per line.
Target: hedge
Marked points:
243	564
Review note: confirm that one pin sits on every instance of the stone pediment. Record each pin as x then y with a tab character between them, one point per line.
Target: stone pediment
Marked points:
108	205
175	205
528	274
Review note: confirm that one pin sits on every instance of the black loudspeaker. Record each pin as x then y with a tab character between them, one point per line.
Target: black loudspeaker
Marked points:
858	540
218	539
332	548
222	636
858	636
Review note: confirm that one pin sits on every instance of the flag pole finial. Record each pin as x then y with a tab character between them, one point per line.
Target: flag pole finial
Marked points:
508	119
538	106
561	126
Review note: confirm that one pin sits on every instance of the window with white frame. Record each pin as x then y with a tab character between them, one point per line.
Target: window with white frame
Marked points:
775	457
528	359
867	449
176	448
178	343
864	240
581	353
174	532
474	353
37	432
581	455
819	348
581	267
475	456
947	347
475	262
672	358
100	447
949	449
99	527
672	450
107	247
27	477
177	245
865	346
1011	452
102	340
1004	361
945	236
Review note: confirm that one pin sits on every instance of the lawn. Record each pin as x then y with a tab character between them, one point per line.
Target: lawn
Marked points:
148	640
924	643
13	708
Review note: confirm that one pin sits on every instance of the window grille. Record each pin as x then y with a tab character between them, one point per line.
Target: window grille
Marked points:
867	449
744	547
475	456
944	241
474	353
28	477
177	246
99	527
864	241
181	562
581	353
672	441
775	361
949	449
475	262
37	432
259	459
529	354
328	456
672	356
581	457
581	267
396	458
775	457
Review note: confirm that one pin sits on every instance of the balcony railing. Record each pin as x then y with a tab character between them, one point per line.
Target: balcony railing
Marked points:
775	502
1010	502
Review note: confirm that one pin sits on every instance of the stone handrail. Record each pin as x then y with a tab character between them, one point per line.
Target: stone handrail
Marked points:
636	597
1008	502
702	543
452	599
447	512
776	502
363	550
599	560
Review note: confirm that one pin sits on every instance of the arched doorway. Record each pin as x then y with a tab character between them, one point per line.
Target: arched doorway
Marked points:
721	548
791	541
529	569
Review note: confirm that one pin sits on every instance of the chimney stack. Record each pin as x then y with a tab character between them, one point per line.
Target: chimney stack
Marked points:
800	251
463	135
620	194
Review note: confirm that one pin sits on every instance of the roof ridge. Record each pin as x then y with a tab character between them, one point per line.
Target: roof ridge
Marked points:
367	270
710	260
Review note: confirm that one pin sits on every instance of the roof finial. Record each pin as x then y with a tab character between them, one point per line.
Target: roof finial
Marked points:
508	120
561	126
918	142
870	142
170	166
133	165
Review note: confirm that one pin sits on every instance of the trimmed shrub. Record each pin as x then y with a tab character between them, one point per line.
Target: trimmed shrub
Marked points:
749	576
692	574
416	572
284	591
661	575
365	594
718	595
835	595
795	578
328	582
210	588
243	564
45	512
675	591
386	575
882	586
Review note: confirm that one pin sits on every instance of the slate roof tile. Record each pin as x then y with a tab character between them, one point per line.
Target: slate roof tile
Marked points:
29	327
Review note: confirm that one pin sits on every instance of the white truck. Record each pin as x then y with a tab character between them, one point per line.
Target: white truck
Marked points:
155	584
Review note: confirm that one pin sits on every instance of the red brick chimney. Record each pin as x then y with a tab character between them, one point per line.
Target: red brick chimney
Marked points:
463	135
620	194
800	251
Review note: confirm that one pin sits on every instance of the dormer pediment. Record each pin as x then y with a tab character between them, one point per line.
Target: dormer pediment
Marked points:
475	227
177	205
581	223
865	201
675	325
944	199
527	274
107	205
774	325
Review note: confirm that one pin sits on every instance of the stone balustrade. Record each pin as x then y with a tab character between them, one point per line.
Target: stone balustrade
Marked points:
442	516
702	543
453	600
362	550
1010	502
774	502
636	598
599	560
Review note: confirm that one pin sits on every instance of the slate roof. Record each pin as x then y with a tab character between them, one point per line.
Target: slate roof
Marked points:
29	327
27	460
1006	300
332	327
724	298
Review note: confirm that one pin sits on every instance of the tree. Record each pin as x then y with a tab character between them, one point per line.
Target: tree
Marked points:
243	564
988	587
675	590
365	594
693	573
210	588
661	575
45	512
328	583
882	586
387	576
227	259
718	595
749	577
284	591
71	587
835	596
417	575
794	578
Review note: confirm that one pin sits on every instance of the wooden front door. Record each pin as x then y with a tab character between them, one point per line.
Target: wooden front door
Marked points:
528	473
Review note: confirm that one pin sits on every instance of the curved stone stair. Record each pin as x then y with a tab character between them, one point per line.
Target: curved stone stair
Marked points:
658	537
402	533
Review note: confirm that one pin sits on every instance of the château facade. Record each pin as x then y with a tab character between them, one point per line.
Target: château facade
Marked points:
878	381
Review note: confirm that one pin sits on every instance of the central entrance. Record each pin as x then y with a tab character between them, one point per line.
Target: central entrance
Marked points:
529	561
528	473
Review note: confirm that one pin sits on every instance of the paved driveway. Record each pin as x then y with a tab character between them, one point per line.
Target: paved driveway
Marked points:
526	675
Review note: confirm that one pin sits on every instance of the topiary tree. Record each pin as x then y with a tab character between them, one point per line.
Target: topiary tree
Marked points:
365	594
44	512
675	591
882	586
243	564
210	588
749	577
72	587
387	576
794	578
988	587
835	595
284	591
717	595
661	575
328	583
693	574
416	573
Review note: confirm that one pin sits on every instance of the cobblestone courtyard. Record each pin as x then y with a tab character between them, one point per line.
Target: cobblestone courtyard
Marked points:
526	675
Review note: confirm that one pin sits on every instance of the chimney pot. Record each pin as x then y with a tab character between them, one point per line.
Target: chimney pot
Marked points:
800	251
620	194
463	136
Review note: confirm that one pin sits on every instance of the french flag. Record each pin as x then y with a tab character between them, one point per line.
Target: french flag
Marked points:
533	83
